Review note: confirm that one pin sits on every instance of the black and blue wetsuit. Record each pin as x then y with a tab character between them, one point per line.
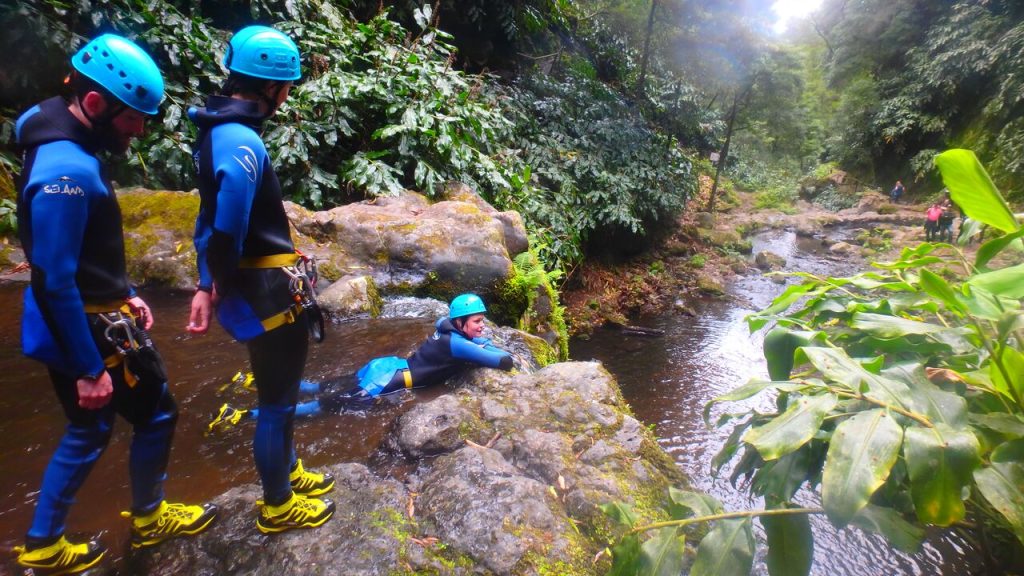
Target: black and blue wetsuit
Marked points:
445	353
69	222
242	239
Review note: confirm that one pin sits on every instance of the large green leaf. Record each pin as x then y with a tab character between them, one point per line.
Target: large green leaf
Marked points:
781	478
793	428
940	461
1008	282
836	365
927	398
1011	425
727	550
936	286
781	303
790	544
885	521
993	247
1009	451
779	345
662	555
987	306
752	388
972	189
697	502
1002	484
1008	372
626	556
860	456
885	326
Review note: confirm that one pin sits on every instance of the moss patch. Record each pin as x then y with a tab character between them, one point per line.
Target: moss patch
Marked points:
529	298
172	211
159	219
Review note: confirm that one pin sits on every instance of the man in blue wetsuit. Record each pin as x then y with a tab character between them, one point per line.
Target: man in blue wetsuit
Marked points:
456	344
69	222
247	265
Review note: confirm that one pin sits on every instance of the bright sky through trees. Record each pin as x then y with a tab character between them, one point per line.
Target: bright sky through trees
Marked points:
788	10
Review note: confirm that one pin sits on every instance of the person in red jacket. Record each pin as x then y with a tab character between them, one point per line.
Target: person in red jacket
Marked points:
931	222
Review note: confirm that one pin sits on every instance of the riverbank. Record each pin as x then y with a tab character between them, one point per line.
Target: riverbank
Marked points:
706	252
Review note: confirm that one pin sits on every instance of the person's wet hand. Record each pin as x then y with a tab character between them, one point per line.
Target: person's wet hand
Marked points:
199	315
94	394
141	311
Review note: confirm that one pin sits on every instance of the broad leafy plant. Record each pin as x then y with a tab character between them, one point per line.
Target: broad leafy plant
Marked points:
899	393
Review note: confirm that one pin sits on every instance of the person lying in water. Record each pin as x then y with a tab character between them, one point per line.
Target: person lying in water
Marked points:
455	345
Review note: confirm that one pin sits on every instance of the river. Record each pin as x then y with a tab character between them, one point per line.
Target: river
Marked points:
667	381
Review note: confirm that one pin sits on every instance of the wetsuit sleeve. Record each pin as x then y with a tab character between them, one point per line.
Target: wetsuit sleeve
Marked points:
59	217
239	158
201	239
485	355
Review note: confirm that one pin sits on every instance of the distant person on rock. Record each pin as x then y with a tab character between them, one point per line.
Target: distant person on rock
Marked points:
931	222
896	193
945	225
456	344
81	316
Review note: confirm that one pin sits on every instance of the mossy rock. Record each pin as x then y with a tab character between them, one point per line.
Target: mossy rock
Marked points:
727	239
158	228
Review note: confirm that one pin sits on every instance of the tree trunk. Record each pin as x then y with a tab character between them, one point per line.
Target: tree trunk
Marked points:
723	155
647	49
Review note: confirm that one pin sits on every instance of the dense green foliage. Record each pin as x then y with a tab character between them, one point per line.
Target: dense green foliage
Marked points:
911	77
598	166
383	108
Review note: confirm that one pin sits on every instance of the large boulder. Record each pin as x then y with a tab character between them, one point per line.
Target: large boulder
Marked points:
404	244
509	472
407	244
365	537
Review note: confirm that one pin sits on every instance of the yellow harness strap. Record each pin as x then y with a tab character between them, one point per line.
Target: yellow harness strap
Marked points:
106	307
407	375
113	361
272	261
282	318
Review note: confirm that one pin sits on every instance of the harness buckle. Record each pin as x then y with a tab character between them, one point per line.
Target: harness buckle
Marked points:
303	277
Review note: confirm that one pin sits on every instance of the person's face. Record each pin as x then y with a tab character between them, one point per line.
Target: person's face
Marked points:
118	133
130	123
473	326
282	94
277	92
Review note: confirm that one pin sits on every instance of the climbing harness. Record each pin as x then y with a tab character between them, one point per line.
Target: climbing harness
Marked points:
303	277
303	274
134	347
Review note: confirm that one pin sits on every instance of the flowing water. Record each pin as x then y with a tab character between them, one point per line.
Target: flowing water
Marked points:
668	380
202	466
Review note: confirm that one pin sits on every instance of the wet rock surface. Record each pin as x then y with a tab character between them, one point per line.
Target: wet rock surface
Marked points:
508	471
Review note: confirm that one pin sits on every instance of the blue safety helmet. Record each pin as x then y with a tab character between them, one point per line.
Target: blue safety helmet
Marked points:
465	305
263	52
123	69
